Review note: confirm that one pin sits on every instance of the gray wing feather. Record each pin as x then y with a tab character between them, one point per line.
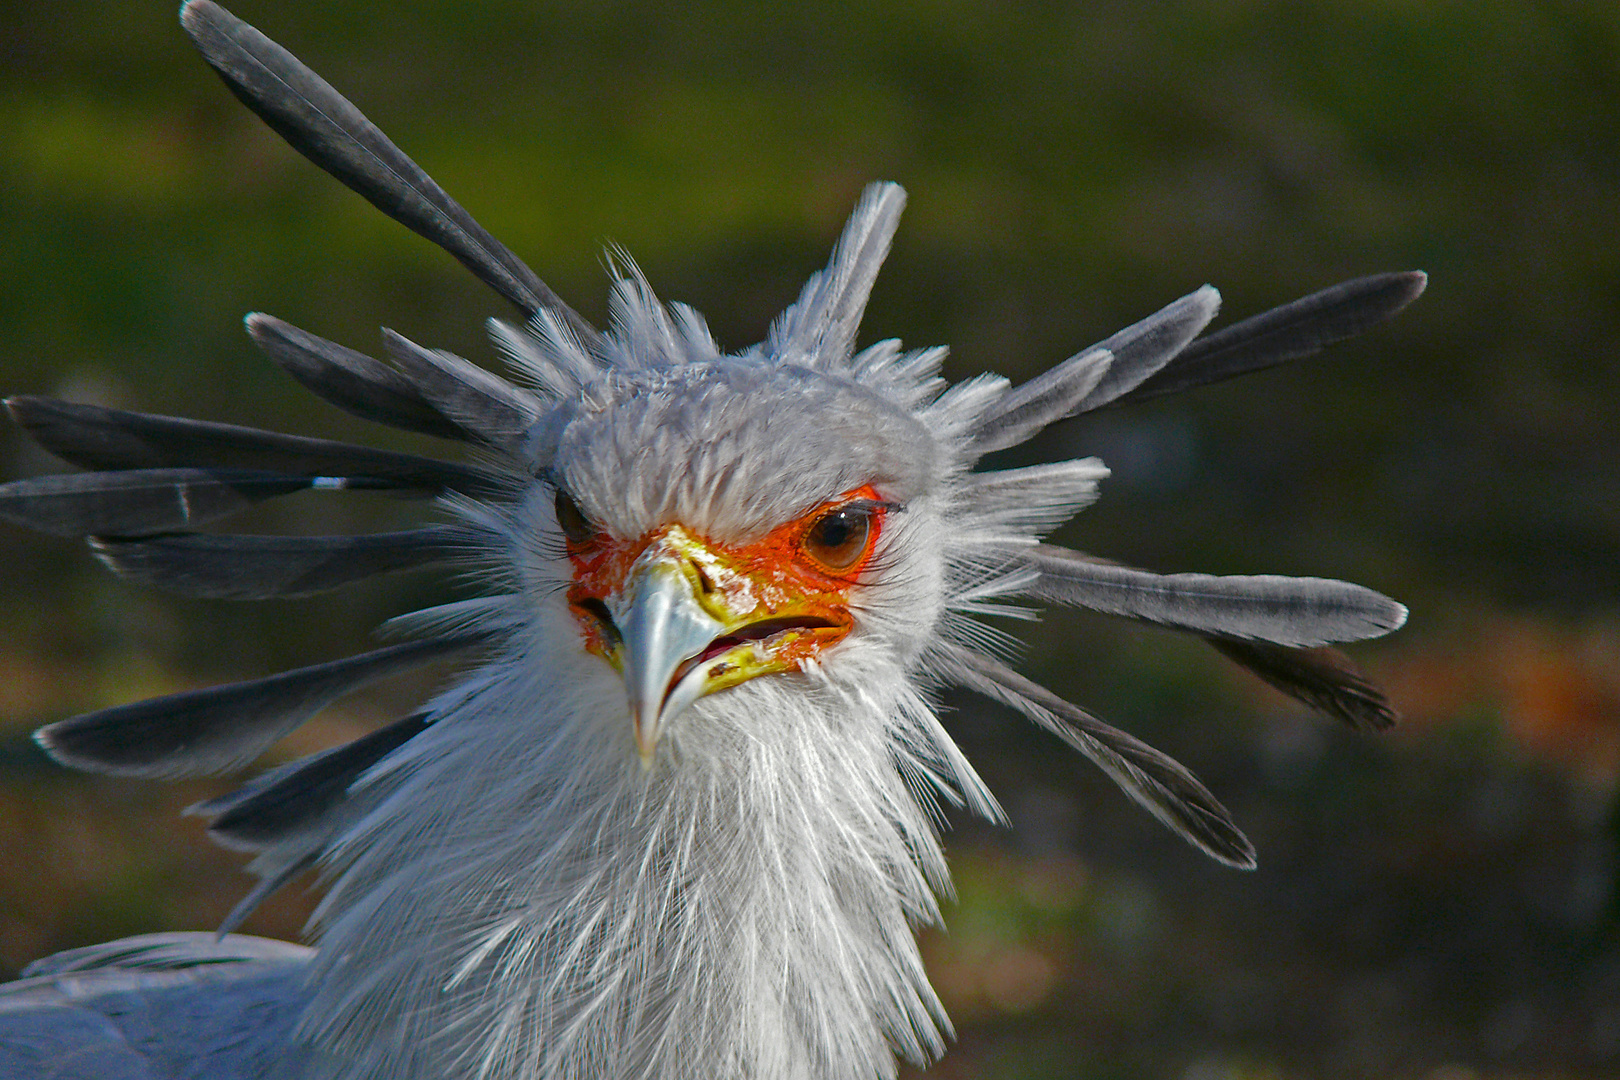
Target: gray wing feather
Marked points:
161	1007
1290	611
173	951
326	128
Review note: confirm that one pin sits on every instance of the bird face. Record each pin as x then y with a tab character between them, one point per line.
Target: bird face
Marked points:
681	615
727	541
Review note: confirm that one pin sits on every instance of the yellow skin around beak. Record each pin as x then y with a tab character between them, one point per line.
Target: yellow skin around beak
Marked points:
686	618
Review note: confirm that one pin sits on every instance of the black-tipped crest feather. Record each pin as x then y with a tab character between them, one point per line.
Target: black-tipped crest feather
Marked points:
199	732
1323	678
1263	607
1157	782
354	382
1087	381
294	798
94	437
481	402
1024	411
1290	332
261	567
1147	345
326	128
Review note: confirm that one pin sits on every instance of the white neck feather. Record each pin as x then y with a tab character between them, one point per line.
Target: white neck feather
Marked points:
526	901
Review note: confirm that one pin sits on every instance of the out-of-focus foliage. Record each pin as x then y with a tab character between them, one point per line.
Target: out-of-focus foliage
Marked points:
1441	903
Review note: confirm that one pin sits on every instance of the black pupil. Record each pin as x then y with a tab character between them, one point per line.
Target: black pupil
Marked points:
840	536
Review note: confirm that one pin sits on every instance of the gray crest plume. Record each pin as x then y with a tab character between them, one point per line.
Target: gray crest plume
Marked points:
511	892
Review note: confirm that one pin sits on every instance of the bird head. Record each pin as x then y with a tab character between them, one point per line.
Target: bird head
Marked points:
727	520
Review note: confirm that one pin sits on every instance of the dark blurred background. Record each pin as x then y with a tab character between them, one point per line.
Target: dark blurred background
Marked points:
1438	903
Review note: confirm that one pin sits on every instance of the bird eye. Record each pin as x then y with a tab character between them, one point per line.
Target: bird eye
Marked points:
575	525
838	539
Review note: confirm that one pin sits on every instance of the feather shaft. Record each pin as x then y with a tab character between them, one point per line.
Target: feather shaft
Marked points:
138	502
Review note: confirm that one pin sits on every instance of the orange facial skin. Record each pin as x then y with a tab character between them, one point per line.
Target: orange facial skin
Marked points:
747	587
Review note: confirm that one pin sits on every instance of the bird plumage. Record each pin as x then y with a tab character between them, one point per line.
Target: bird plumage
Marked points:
578	861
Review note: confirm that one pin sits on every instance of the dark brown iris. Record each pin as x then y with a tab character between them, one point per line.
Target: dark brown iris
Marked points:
838	539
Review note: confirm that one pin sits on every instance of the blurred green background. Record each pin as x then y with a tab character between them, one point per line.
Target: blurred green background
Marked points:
1440	903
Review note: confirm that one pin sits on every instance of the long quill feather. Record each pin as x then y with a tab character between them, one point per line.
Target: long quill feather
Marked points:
1290	332
93	437
1292	611
200	732
261	567
326	128
1157	782
354	382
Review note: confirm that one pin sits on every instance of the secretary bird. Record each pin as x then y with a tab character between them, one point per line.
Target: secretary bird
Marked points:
679	818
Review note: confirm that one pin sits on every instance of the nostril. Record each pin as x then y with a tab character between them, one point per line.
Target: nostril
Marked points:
704	581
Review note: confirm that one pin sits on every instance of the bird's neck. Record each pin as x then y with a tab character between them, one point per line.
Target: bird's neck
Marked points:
745	907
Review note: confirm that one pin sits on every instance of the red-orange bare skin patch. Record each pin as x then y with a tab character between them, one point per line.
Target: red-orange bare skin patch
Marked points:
774	577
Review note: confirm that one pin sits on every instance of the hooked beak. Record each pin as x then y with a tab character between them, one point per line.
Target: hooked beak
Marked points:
662	628
685	623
